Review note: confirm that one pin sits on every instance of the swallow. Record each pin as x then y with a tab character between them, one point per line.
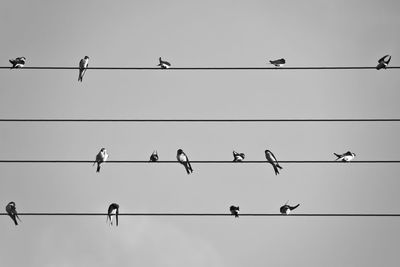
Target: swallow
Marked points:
154	156
113	209
164	64
383	62
234	210
348	156
101	157
83	64
286	209
19	62
184	160
278	63
271	159
12	212
237	156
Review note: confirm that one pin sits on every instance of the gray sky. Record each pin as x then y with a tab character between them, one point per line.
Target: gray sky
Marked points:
203	34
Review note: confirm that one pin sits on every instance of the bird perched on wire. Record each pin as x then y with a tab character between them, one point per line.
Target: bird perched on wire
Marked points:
383	62
271	159
278	63
19	62
154	156
83	64
237	156
113	209
234	211
12	212
164	64
286	209
184	160
101	157
348	156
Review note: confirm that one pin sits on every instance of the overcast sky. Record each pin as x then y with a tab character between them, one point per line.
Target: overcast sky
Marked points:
200	34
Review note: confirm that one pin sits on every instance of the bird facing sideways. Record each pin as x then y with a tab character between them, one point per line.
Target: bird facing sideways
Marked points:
164	64
113	209
286	209
12	212
278	63
101	157
272	160
19	62
83	64
184	160
237	157
383	62
234	211
345	157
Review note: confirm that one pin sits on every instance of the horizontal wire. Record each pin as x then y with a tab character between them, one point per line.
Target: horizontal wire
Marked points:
201	161
206	68
204	120
213	214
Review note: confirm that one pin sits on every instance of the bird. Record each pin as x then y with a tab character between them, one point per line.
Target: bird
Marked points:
278	63
12	212
164	64
113	209
83	64
383	62
184	160
271	159
286	209
237	156
19	62
101	157
348	156
234	210
154	156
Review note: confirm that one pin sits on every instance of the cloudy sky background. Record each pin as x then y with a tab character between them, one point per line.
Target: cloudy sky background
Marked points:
200	34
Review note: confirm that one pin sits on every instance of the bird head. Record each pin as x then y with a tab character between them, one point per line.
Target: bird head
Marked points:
12	203
86	57
180	151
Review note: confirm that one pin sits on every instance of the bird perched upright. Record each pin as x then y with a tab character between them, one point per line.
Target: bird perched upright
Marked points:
101	157
346	157
383	62
19	62
154	156
278	63
113	209
234	211
286	209
237	156
184	160
83	64
164	64
12	212
271	159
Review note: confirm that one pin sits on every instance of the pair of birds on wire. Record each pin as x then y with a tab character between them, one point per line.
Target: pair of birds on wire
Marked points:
285	209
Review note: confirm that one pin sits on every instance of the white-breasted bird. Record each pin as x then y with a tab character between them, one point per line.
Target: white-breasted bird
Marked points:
234	210
184	160
383	62
12	212
83	64
278	62
286	209
237	156
164	64
113	209
154	156
348	156
19	62
271	159
101	157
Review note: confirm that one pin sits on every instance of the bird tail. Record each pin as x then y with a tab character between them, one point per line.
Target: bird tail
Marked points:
294	207
236	215
13	64
15	221
116	217
277	165
276	169
187	167
98	167
337	155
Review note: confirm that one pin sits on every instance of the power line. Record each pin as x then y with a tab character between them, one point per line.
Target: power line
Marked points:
205	120
204	161
207	68
212	214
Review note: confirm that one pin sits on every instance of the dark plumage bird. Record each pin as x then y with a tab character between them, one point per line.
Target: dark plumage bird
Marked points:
19	62
286	209
278	63
83	64
184	160
234	210
348	156
12	212
154	156
271	159
101	157
113	209
383	62
238	156
164	64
